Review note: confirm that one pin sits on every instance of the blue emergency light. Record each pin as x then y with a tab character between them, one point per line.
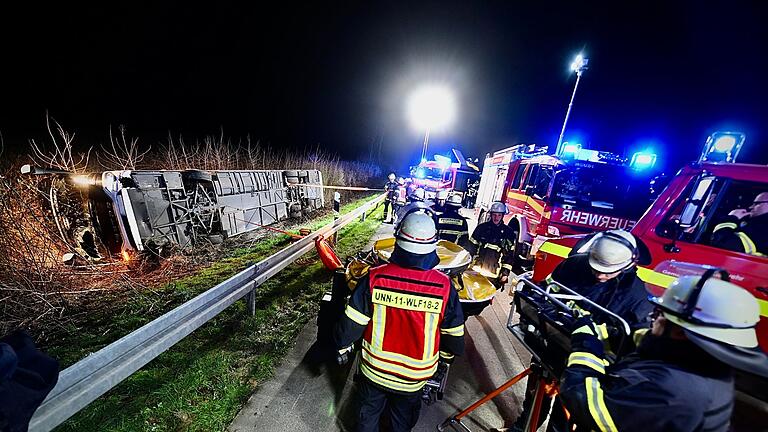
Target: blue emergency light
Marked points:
570	150
420	173
722	147
643	161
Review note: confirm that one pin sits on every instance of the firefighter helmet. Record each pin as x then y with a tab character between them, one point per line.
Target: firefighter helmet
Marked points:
400	181
418	195
454	200
713	308
391	177
417	233
498	207
612	251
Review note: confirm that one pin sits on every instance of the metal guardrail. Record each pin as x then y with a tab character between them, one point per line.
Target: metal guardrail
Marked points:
91	377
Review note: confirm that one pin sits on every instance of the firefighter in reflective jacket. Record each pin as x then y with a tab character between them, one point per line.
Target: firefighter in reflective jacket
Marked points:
492	245
390	187
602	268
409	317
451	225
680	378
745	230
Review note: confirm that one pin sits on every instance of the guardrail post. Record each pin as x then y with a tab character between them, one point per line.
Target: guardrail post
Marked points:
250	301
336	212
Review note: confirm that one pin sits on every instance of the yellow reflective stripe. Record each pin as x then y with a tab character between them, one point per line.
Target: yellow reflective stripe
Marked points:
549	279
749	245
415	374
430	334
587	359
731	225
661	280
379	321
596	402
603	331
472	239
446	355
507	266
400	358
453	331
492	246
555	249
450	221
585	330
389	382
356	315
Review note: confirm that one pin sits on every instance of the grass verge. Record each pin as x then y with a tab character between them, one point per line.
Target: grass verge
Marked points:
202	382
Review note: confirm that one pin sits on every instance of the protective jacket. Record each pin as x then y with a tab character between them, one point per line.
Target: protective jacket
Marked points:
748	236
666	385
453	227
391	188
408	316
493	245
624	295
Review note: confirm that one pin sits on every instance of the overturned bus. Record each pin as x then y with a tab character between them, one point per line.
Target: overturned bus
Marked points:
129	211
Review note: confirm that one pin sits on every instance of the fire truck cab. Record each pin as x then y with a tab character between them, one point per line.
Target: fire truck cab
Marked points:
678	229
549	196
445	174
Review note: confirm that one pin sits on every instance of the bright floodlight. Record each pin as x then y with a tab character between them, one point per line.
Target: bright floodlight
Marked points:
431	108
580	64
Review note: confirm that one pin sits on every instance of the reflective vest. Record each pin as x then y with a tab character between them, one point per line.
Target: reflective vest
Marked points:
402	340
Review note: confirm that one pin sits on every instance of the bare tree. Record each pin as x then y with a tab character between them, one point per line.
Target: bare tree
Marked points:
60	154
122	152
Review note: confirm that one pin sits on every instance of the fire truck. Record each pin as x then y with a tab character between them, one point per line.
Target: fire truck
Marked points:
678	228
445	174
551	196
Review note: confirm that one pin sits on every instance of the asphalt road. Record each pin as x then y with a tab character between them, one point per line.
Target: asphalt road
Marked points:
304	396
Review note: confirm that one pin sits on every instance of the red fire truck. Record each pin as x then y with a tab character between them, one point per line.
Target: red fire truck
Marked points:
577	192
679	224
445	174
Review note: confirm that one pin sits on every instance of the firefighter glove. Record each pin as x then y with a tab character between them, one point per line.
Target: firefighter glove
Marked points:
342	356
588	336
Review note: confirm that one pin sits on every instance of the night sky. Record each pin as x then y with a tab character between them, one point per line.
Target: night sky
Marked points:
337	76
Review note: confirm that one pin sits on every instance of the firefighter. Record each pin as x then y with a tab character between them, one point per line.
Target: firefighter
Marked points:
602	268
416	200
451	225
492	245
680	378
440	197
401	196
745	230
390	187
409	317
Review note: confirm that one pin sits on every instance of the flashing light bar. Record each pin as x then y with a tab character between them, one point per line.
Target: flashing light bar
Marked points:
570	150
643	160
723	147
442	161
420	173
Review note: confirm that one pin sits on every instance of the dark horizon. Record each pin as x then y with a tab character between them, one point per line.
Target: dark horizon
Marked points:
661	76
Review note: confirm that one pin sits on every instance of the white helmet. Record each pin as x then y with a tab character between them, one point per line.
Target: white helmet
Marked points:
417	233
612	251
442	194
400	181
498	207
391	177
714	308
454	200
418	195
